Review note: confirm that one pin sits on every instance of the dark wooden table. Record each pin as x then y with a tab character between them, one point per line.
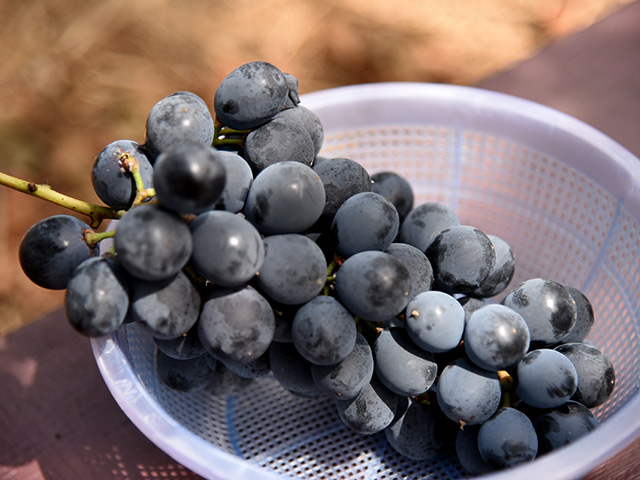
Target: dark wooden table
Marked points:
59	421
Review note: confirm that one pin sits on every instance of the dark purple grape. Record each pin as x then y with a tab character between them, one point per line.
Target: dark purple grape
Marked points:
183	347
585	317
396	189
250	95
424	222
52	249
97	297
435	321
502	272
236	188
563	425
468	453
112	183
292	370
189	178
308	119
371	411
186	375
418	265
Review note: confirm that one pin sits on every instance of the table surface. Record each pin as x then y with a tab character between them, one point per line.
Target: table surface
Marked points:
57	417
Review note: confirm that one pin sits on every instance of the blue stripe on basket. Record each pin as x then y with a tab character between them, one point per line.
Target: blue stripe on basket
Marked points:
233	433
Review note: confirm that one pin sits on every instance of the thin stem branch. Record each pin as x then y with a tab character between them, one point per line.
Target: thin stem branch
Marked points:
96	213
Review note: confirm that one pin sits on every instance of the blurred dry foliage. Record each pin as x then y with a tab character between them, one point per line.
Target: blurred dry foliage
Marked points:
76	75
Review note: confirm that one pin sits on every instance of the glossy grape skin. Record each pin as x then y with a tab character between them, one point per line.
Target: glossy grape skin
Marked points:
395	188
546	379
424	222
346	379
189	178
286	197
421	432
365	221
401	365
181	117
277	141
585	317
294	269
113	185
563	425
152	243
503	270
467	393
166	308
371	411
507	439
97	297
308	119
462	258
596	373
238	182
236	325
342	178
183	375
292	370
323	331
435	321
373	285
546	306
496	337
52	248
227	249
417	263
250	95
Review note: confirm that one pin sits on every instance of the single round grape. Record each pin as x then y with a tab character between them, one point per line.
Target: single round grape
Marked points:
342	178
113	184
293	97
308	119
435	321
424	222
507	439
347	378
152	243
189	178
292	370
371	411
373	285
546	306
250	95
257	368
181	117
227	249
503	270
183	375
236	325
395	188
596	373
546	379
563	425
52	248
462	258
286	197
471	304
496	337
294	269
420	433
402	366
276	141
185	346
323	331
165	308
96	299
238	183
585	317
468	394
417	264
365	221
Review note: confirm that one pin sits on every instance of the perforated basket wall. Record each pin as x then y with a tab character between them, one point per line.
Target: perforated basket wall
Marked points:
563	195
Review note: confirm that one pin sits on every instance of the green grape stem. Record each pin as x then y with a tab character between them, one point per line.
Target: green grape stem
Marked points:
223	135
129	164
96	213
91	237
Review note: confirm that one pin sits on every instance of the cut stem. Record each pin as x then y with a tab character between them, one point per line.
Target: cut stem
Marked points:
91	238
96	213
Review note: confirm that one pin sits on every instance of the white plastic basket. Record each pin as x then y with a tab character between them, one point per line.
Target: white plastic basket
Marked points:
565	196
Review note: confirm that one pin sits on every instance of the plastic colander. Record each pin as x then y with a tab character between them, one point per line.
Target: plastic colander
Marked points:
565	197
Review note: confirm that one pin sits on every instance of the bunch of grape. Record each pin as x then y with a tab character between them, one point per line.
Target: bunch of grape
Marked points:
245	253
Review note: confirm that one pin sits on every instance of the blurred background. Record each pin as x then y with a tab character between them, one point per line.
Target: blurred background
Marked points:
76	75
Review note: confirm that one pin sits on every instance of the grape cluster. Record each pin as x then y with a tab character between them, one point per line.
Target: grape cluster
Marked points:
245	253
